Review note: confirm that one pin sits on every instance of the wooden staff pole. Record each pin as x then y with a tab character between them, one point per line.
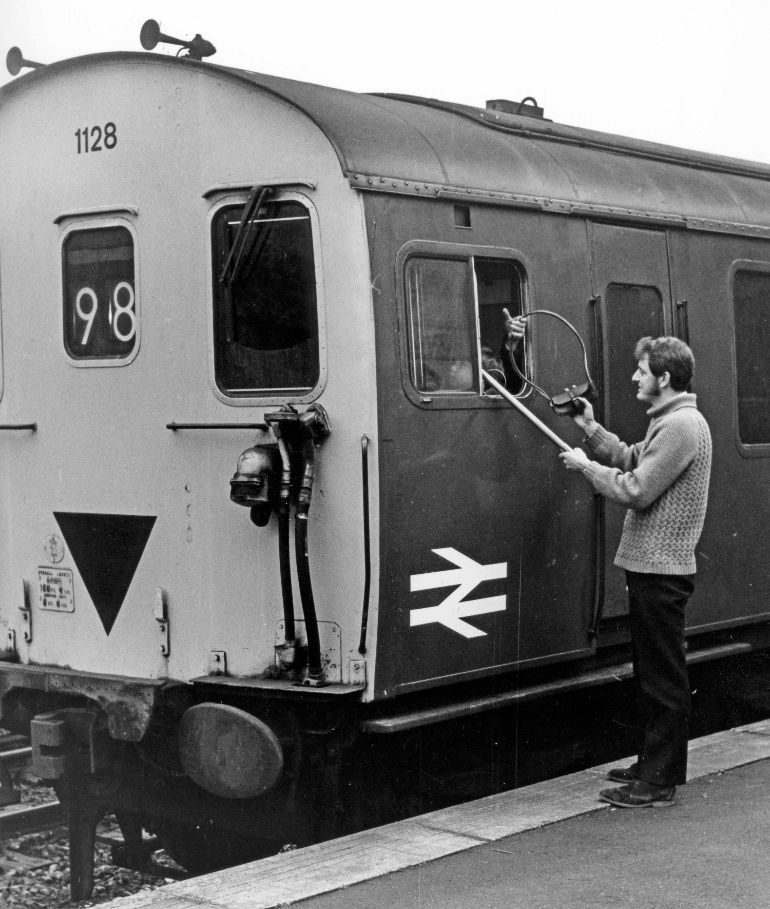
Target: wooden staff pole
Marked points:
526	412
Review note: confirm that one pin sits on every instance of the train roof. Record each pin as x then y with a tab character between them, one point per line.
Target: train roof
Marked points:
419	146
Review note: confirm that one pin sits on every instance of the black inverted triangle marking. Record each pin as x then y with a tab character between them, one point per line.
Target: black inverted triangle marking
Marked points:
106	549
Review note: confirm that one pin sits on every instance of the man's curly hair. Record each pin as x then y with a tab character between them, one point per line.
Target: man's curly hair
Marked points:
669	355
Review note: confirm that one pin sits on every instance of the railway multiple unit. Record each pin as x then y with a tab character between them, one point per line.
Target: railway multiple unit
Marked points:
261	512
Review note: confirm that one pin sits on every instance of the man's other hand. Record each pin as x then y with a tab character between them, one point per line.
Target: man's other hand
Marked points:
576	459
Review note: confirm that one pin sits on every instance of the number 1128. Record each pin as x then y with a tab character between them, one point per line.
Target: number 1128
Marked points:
96	138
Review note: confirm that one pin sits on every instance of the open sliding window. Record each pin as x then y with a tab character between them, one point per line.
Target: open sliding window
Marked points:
456	323
751	312
265	307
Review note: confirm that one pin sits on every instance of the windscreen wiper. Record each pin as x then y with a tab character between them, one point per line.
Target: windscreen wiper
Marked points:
257	197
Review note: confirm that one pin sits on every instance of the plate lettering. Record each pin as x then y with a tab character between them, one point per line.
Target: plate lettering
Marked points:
55	589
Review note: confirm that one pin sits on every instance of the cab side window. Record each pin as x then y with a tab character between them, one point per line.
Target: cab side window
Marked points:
456	322
265	308
441	323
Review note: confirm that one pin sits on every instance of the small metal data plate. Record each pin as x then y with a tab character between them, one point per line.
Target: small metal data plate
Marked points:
55	589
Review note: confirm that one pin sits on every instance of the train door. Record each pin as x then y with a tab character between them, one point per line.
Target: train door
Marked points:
486	550
630	276
723	285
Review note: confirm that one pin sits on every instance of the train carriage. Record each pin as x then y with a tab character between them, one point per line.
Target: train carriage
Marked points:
220	289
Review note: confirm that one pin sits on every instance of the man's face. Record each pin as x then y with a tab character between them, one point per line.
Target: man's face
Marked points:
648	385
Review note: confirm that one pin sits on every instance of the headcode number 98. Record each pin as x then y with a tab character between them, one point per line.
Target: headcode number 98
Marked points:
121	304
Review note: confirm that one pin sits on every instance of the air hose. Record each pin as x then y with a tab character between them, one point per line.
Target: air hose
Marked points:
284	519
315	670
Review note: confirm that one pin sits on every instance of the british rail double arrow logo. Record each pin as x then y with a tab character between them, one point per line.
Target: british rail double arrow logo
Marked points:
451	611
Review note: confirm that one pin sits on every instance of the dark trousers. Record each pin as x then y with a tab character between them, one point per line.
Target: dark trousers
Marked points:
656	604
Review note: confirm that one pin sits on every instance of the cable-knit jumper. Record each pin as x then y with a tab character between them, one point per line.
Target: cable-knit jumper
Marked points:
664	480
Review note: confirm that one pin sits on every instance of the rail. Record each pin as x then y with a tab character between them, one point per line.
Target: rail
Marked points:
18	820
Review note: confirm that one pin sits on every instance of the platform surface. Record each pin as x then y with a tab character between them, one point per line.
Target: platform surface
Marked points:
545	845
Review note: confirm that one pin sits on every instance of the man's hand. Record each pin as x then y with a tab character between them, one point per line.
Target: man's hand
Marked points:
576	459
585	418
515	328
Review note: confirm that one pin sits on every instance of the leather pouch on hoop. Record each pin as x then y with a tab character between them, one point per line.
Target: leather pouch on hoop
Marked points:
565	403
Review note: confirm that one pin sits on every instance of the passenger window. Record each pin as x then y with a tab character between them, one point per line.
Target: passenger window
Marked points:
751	309
633	311
265	312
99	313
446	300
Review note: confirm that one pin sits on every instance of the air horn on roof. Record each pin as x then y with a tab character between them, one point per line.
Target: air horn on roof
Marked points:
15	61
197	49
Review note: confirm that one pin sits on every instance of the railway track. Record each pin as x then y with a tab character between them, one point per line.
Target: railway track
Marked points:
20	820
34	846
17	819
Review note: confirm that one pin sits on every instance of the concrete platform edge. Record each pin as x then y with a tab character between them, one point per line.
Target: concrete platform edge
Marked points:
288	878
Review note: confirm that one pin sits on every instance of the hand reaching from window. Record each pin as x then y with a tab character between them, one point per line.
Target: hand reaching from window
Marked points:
515	326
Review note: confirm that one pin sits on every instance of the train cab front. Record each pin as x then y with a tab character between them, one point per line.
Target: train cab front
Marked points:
173	294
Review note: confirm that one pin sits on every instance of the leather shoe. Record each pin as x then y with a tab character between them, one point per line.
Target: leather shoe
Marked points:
639	795
624	774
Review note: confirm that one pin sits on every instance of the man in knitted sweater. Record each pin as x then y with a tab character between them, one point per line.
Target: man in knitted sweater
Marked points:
663	481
